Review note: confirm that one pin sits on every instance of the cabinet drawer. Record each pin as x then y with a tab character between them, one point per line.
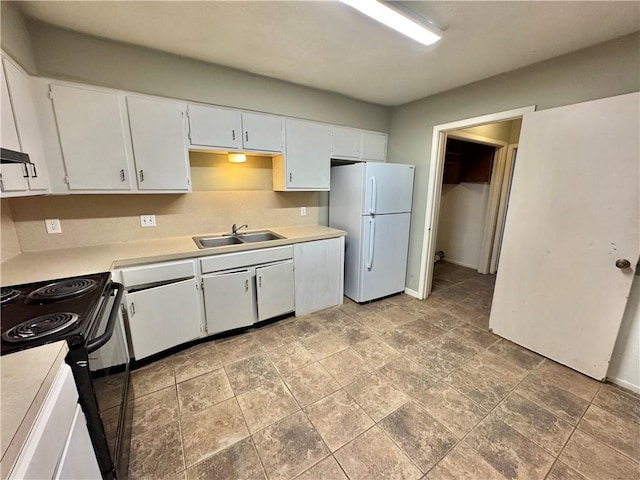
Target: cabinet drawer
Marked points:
245	259
136	276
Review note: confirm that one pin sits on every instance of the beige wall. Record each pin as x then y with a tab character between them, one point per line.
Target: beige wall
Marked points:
14	37
608	69
9	244
67	55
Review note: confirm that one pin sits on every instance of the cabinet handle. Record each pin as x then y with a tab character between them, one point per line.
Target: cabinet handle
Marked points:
1	183
246	136
35	172
133	308
290	177
233	135
26	170
122	177
260	281
246	285
142	175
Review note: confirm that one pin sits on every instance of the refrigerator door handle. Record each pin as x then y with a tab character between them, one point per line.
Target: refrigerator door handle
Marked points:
374	196
372	233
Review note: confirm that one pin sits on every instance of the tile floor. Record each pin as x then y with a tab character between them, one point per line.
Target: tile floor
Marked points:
395	389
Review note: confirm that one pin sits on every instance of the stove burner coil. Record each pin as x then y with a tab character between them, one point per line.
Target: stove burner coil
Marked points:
8	294
39	327
63	289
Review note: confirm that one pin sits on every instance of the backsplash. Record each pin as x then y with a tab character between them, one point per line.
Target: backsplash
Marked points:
98	219
8	236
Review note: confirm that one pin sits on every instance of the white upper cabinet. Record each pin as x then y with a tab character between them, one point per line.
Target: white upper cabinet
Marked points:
91	127
21	132
306	164
262	133
345	142
159	142
215	127
374	146
28	127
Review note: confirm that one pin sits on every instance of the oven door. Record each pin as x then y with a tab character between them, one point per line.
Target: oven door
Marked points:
108	357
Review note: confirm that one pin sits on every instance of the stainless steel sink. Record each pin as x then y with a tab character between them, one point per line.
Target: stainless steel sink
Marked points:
225	240
210	242
265	236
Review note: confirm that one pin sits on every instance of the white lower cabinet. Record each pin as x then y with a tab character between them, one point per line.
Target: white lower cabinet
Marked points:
319	274
228	300
241	289
163	317
78	458
275	290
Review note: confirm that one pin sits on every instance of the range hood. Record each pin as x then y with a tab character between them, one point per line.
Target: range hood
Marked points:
11	156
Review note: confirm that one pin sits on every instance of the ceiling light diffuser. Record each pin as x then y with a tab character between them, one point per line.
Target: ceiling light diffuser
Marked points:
397	21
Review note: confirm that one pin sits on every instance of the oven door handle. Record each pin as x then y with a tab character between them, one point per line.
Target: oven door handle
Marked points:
96	343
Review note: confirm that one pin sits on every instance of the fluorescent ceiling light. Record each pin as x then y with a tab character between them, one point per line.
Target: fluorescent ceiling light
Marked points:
397	21
237	157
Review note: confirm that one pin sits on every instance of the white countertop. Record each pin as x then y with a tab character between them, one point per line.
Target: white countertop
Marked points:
25	379
50	264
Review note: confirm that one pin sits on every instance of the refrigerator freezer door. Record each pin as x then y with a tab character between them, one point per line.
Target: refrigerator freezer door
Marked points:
383	256
388	188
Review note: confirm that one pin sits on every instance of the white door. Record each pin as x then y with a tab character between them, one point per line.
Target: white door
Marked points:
388	188
91	130
308	155
159	144
275	290
228	301
214	127
573	213
27	125
13	176
262	132
163	317
384	255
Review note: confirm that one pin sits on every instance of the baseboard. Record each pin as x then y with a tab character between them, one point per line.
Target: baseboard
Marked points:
625	384
460	264
411	293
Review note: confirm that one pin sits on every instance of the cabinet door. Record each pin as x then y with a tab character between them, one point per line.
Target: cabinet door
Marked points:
275	290
308	157
261	132
91	129
374	146
78	458
13	176
24	110
318	274
214	127
159	144
163	317
345	142
228	301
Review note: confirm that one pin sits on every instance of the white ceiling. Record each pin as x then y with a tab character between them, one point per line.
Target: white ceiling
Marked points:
330	46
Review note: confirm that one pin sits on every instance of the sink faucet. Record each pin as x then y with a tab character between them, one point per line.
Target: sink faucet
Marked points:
234	228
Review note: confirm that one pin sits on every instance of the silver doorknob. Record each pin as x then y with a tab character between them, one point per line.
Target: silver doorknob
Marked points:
623	263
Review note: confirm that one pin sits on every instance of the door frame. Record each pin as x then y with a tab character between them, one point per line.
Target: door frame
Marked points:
505	191
434	187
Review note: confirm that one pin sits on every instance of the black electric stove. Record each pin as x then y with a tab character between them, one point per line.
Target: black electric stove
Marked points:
37	313
83	311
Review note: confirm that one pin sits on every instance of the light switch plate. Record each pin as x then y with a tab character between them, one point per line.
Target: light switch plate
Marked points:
147	220
53	225
303	211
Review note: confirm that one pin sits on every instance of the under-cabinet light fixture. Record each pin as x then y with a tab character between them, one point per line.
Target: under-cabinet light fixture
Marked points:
237	157
388	16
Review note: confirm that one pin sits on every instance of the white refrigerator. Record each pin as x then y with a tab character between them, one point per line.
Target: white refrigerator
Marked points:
372	203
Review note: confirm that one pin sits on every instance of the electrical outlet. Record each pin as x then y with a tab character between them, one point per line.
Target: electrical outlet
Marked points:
303	211
53	225
147	220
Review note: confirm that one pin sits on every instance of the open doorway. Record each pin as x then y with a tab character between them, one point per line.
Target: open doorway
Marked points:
451	206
